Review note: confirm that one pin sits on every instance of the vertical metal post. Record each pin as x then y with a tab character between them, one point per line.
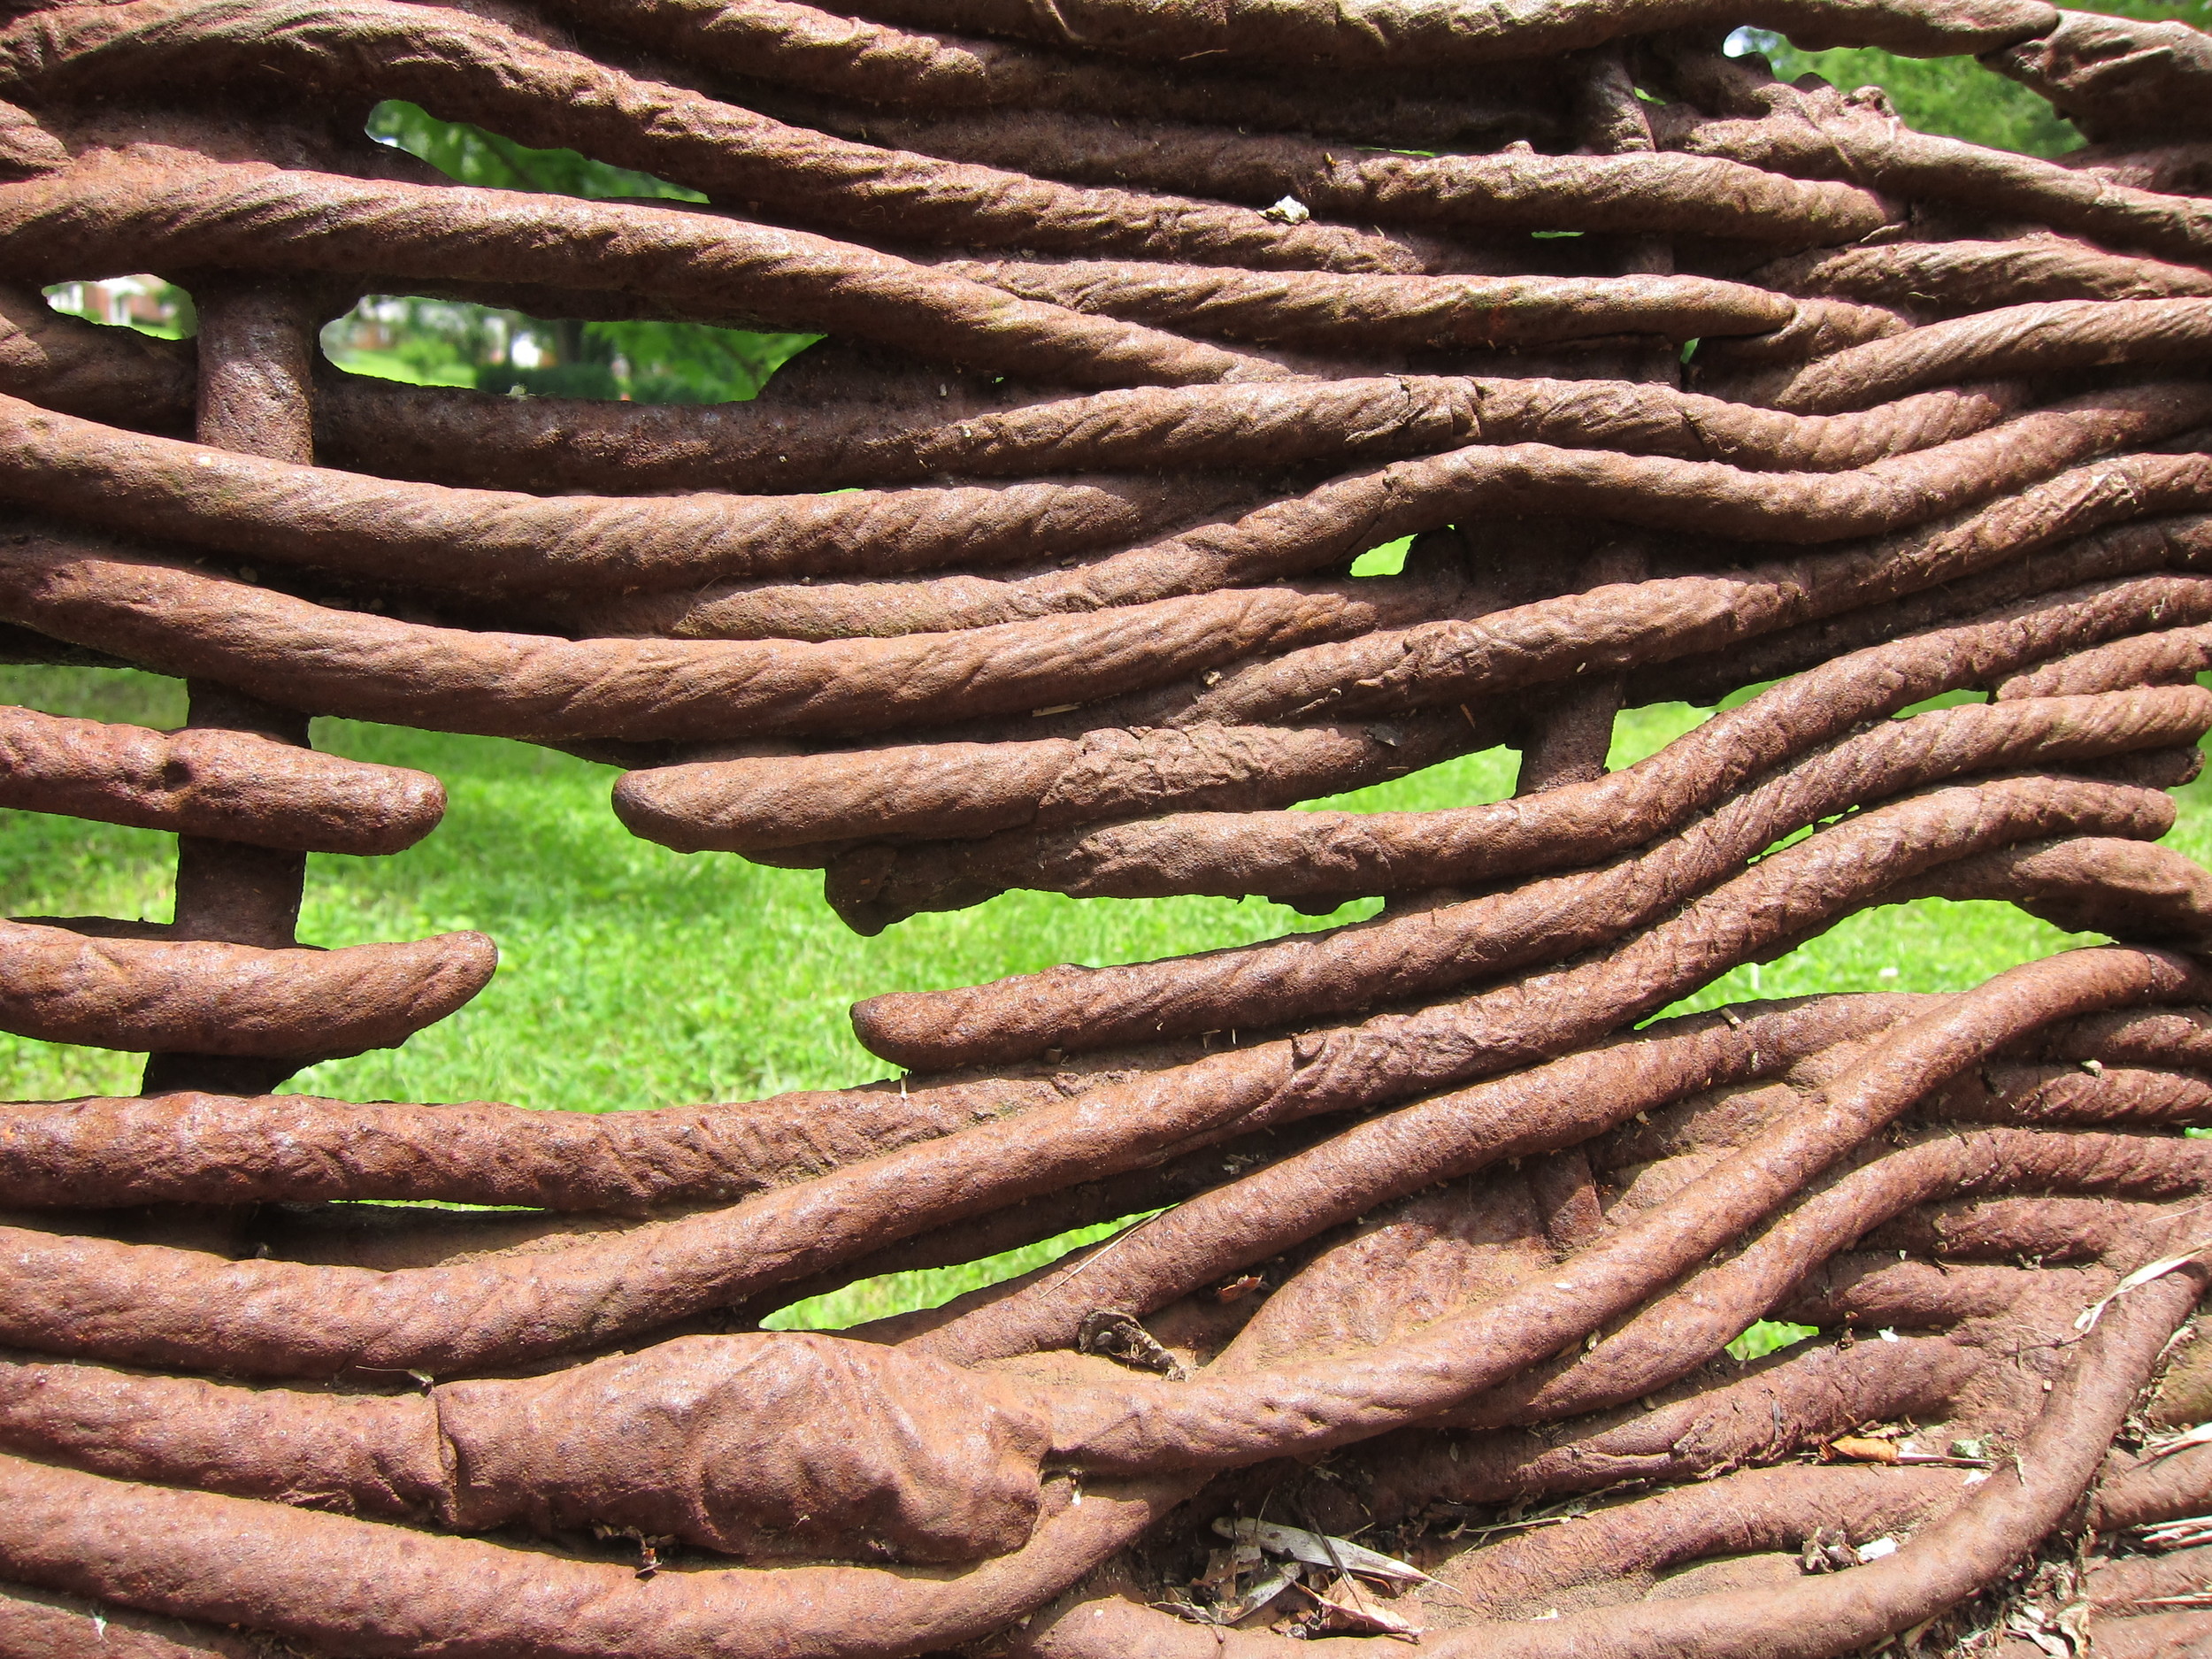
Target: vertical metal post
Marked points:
255	395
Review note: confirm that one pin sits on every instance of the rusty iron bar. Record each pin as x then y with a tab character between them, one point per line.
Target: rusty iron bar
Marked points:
1147	322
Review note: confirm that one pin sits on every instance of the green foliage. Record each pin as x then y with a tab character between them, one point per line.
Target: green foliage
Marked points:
472	156
444	342
441	342
1957	96
690	362
1767	1336
1387	560
151	304
424	342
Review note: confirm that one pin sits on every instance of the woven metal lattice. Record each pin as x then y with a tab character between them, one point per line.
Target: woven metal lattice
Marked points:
1146	318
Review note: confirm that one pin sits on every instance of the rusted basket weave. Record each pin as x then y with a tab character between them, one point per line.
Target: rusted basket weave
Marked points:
1148	316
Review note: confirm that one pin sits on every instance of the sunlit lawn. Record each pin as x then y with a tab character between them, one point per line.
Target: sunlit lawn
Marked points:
632	976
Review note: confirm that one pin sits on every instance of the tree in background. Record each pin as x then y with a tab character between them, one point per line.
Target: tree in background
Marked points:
444	342
441	342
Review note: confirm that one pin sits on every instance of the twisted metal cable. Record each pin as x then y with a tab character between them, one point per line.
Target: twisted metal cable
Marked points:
1149	320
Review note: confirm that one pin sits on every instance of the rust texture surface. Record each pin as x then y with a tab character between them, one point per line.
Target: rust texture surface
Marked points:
1145	320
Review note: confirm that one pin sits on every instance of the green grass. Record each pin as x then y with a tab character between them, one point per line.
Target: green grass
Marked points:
631	976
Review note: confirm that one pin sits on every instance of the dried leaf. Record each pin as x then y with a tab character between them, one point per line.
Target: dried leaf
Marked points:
2087	1318
1219	1580
2197	1436
2185	1532
2021	1624
1827	1550
1266	1590
1321	1551
1860	1449
1343	1606
1120	1336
